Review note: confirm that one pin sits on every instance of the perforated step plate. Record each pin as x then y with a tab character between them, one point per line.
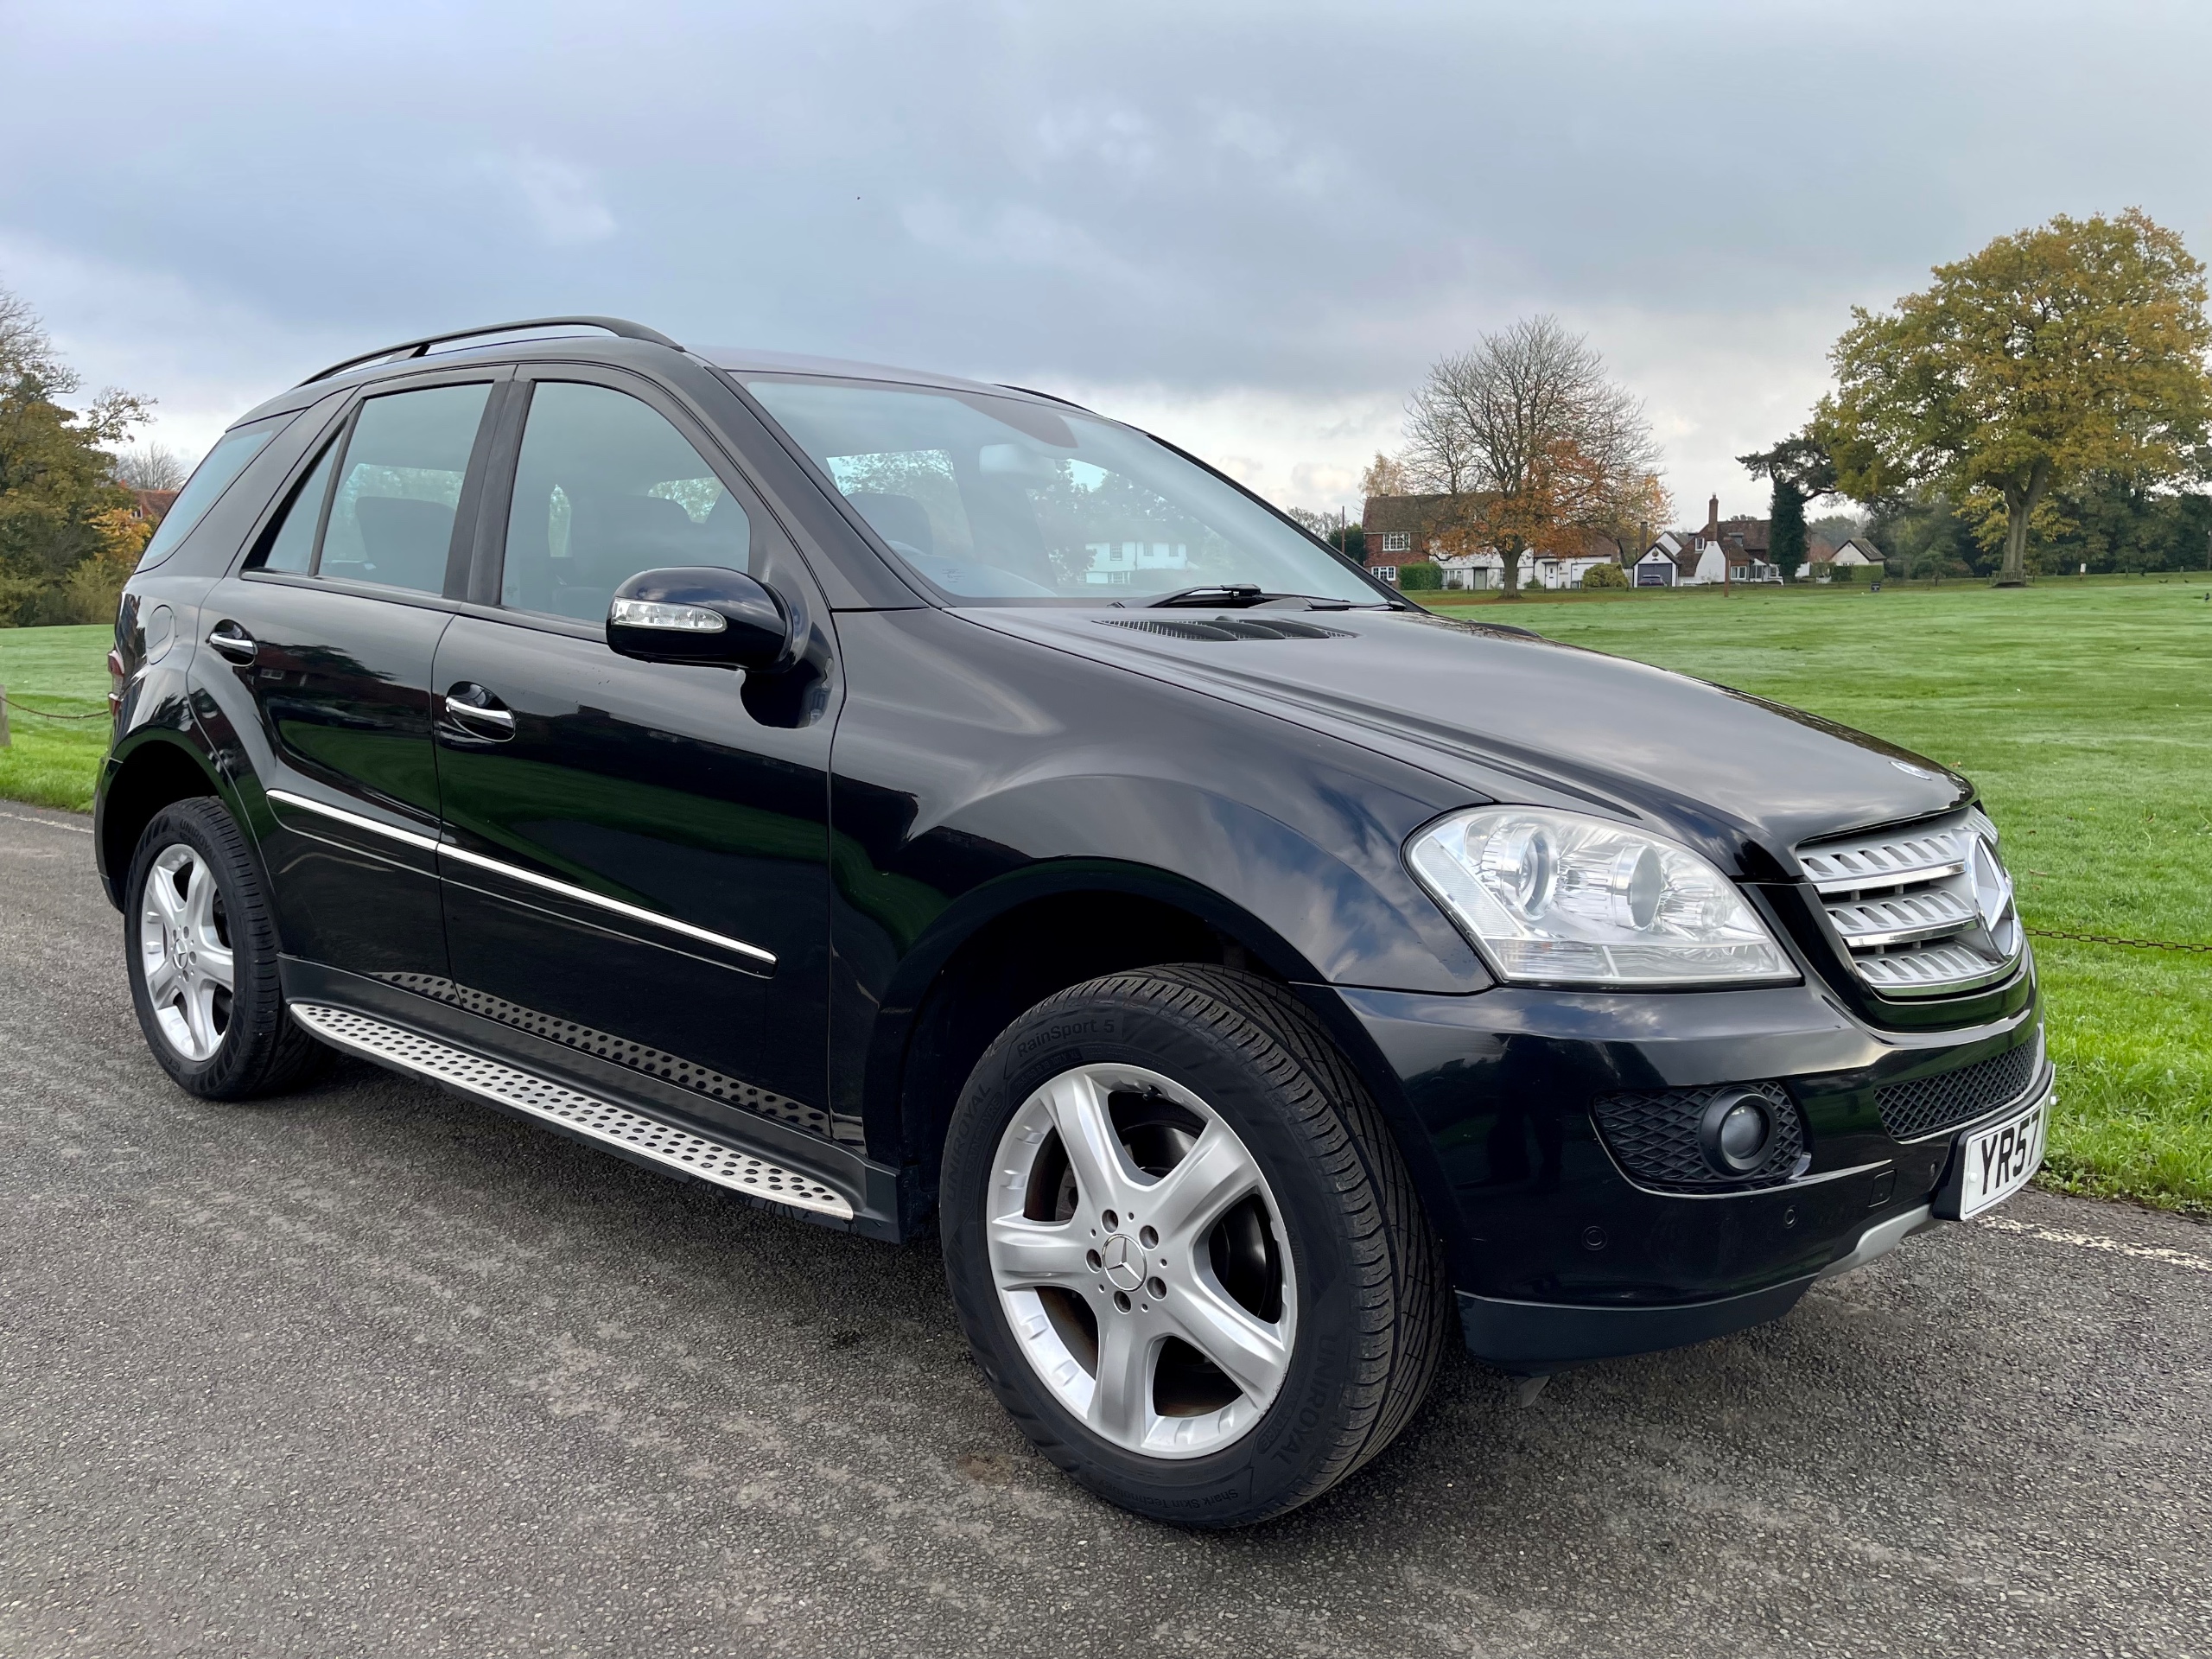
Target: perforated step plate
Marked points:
572	1109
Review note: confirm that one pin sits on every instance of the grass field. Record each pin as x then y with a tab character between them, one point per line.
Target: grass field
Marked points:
2082	709
54	671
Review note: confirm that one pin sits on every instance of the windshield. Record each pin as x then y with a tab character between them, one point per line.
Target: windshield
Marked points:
1001	498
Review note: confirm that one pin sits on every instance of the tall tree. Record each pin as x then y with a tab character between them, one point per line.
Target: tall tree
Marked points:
2077	347
56	490
1802	470
151	467
1533	444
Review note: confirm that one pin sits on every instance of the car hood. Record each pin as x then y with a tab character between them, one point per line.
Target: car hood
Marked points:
1509	716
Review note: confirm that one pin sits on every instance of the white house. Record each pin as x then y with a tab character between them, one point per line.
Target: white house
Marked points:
1112	563
1543	570
1722	553
1856	550
1661	564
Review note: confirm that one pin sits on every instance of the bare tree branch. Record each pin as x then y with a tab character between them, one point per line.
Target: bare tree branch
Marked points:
1535	443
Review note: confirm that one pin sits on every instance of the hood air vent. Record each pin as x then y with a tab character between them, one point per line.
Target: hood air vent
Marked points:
1227	628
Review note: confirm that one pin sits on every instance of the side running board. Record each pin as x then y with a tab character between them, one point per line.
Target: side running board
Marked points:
581	1113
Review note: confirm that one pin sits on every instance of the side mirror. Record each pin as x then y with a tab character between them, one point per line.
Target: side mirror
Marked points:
707	615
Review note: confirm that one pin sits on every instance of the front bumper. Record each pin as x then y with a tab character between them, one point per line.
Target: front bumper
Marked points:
1558	1255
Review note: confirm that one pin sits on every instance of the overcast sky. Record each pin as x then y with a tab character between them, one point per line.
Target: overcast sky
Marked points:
1248	227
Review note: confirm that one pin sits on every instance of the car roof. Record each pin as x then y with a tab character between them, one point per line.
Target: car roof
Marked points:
735	360
739	359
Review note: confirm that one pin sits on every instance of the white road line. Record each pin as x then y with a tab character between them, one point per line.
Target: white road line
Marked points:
25	818
2096	1242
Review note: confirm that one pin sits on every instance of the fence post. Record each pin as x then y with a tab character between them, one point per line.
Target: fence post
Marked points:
5	738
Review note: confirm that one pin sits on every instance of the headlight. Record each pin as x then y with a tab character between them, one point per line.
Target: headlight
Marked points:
1565	900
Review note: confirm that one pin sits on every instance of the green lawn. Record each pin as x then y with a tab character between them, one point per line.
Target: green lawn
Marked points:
2084	712
61	671
2084	709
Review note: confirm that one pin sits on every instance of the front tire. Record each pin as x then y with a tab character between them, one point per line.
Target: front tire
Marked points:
1186	1252
200	941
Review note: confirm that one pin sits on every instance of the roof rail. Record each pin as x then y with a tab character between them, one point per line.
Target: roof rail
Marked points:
618	325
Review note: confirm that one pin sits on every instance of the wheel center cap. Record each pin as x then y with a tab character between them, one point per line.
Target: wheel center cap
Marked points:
1123	1262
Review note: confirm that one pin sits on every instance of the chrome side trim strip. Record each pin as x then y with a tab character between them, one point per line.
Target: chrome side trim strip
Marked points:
584	895
285	797
572	1109
566	889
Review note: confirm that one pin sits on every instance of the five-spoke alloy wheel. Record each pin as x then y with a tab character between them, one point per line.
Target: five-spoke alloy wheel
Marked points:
1186	1251
203	958
1139	1256
184	952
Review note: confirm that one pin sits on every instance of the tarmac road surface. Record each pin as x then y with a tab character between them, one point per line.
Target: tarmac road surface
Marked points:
374	1370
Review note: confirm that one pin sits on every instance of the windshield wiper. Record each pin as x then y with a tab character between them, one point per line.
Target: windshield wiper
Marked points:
1247	595
1224	593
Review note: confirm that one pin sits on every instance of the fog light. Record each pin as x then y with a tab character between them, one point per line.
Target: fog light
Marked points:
1737	1132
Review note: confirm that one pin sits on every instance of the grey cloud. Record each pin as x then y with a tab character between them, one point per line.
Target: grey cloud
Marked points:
1301	204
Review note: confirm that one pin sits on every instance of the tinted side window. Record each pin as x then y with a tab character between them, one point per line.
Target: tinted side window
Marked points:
605	487
391	518
292	548
206	485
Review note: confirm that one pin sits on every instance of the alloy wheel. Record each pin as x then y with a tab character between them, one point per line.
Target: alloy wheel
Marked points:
1142	1261
184	952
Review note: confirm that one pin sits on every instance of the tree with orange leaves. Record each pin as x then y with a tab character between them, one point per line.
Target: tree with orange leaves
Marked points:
1533	446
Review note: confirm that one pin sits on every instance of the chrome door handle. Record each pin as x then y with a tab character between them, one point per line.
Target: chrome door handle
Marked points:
477	720
234	643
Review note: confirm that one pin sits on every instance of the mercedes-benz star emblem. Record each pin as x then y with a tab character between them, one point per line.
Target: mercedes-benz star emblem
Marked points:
1124	1264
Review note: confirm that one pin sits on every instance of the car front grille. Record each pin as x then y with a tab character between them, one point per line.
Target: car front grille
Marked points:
1926	1105
1652	1133
1924	911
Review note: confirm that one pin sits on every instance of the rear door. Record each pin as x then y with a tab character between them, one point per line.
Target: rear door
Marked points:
638	856
327	633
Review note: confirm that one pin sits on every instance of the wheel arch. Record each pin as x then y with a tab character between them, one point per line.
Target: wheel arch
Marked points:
159	769
1008	945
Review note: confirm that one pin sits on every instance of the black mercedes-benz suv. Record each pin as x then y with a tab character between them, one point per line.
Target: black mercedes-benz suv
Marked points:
911	804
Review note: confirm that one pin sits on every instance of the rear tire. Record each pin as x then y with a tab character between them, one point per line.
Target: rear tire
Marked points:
1265	1340
199	940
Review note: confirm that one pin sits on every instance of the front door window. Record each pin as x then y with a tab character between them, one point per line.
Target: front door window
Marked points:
607	488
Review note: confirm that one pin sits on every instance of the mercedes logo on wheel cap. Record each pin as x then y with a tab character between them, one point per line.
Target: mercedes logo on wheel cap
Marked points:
1124	1262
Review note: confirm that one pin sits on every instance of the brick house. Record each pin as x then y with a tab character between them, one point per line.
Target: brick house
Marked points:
152	505
1405	530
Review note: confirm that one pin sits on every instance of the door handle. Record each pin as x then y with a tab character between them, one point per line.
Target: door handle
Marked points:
477	712
234	643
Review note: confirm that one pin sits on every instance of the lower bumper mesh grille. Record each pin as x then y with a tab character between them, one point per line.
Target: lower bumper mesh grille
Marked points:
1653	1134
1928	1104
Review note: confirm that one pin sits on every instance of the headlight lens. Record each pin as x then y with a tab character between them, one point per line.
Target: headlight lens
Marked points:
1568	900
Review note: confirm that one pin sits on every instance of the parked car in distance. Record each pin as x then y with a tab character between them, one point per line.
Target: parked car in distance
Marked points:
911	804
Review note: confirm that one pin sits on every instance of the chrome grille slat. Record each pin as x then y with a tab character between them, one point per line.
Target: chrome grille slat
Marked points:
1931	914
572	1109
1906	906
1858	867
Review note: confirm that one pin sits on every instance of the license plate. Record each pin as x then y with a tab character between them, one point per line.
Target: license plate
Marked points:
1995	1163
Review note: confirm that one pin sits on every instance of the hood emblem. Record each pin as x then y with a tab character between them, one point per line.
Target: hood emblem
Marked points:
1911	771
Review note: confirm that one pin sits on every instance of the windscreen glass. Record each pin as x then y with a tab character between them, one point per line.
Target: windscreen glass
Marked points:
1000	499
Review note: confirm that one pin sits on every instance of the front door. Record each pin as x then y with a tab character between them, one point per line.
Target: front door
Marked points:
637	860
324	641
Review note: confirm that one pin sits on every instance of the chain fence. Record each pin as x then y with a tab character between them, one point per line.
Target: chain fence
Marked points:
2114	938
25	709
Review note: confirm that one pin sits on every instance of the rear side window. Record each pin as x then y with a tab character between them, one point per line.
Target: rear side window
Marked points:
292	548
391	514
206	485
605	487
